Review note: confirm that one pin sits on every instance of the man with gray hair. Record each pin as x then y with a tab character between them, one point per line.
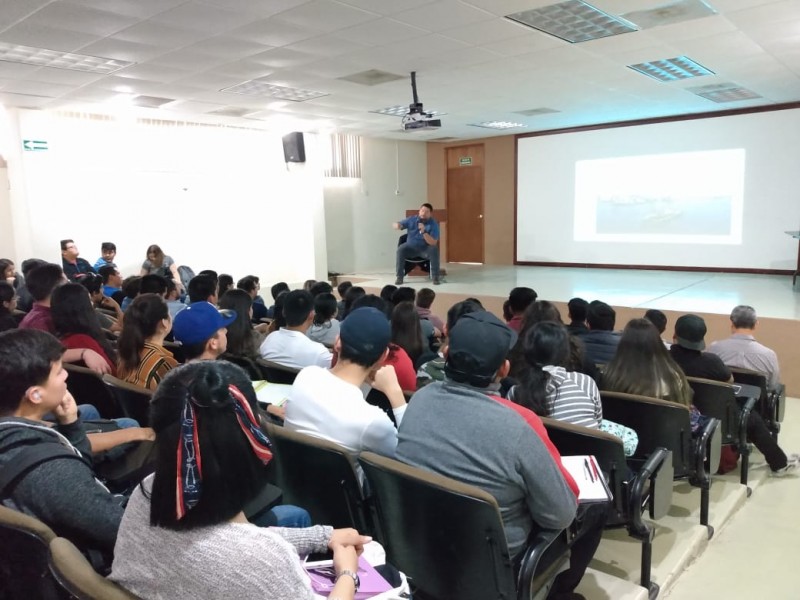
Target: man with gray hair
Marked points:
743	351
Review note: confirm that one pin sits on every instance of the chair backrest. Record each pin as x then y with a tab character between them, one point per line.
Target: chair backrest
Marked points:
772	409
320	476
77	578
87	387
446	536
24	567
717	399
277	373
134	401
176	349
658	423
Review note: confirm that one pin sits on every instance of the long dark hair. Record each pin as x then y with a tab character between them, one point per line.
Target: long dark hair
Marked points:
157	253
73	313
406	330
241	341
544	344
642	365
537	312
141	322
232	475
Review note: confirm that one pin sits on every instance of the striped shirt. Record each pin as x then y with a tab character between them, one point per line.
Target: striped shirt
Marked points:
154	363
573	397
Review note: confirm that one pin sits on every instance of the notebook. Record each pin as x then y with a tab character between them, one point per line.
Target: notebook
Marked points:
587	474
271	393
323	578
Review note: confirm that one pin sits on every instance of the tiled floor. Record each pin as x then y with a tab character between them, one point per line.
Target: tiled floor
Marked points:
771	295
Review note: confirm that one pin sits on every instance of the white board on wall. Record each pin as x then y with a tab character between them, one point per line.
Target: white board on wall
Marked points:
714	192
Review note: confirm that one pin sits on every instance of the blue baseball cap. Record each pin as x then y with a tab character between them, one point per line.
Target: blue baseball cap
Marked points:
199	322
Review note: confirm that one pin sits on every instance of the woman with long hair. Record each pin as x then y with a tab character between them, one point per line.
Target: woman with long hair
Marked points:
407	332
325	328
8	303
76	322
8	272
158	263
143	360
243	339
642	365
550	390
211	456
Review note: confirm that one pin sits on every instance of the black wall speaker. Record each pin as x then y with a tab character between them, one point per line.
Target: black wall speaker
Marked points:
294	149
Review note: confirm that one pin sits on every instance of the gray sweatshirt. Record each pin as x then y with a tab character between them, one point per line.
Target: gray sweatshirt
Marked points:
230	560
62	492
460	432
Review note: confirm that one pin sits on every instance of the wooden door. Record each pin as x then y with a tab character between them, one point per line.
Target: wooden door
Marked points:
465	204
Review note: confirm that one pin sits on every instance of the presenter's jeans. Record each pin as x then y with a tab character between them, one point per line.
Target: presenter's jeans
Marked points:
405	251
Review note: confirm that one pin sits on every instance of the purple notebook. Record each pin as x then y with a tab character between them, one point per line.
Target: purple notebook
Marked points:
322	579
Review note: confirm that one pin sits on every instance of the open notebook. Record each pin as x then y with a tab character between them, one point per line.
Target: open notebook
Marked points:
271	393
590	480
373	585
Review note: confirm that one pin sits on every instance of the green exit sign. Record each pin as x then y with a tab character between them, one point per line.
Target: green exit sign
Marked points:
465	161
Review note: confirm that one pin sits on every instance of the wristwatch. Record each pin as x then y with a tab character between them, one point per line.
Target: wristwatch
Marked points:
349	573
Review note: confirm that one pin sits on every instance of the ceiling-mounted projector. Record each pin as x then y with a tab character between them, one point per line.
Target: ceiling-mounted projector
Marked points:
416	118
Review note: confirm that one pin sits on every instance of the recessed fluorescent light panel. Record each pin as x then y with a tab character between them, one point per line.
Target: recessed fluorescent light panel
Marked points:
401	110
672	69
259	87
497	125
724	92
41	57
573	21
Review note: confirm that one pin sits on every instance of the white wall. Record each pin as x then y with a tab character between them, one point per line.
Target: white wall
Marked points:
359	213
216	198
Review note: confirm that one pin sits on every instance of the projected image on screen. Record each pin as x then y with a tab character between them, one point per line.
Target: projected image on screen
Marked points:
694	197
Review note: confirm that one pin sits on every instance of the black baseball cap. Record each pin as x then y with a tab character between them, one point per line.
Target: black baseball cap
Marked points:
478	346
690	330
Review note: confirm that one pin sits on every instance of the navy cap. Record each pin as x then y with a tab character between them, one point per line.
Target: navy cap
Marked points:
690	331
366	333
477	347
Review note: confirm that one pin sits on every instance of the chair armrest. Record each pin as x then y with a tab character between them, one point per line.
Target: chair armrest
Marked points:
702	448
744	417
776	403
539	544
648	473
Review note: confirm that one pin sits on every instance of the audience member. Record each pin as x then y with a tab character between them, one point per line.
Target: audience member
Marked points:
224	283
154	284
143	360
62	491
446	428
8	273
425	298
173	298
210	407
76	324
519	299
329	403
743	351
108	252
24	298
112	283
601	340
202	288
73	266
341	289
387	293
396	357
289	346
275	291
404	294
8	303
243	339
202	330
130	287
251	285
578	310
407	333
550	390
433	370
158	263
308	284
659	320
353	293
41	282
321	287
687	351
93	283
325	328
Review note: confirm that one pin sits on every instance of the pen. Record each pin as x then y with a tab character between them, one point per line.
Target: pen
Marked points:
594	468
588	470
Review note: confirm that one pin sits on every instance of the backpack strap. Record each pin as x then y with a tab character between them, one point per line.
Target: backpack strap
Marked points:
29	458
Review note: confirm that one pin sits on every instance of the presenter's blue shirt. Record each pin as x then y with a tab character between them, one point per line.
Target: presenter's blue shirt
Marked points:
415	238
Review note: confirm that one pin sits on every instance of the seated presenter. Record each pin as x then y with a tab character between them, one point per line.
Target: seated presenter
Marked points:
423	240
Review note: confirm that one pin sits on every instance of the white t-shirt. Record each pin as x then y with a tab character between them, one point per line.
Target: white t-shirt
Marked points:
293	349
324	406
